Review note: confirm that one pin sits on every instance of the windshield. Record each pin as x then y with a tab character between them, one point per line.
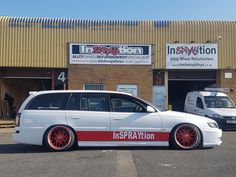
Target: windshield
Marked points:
218	102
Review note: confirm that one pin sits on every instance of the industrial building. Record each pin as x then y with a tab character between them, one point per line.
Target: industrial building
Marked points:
159	61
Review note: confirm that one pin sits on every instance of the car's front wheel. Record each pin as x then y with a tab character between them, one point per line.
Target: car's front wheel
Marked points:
185	136
59	138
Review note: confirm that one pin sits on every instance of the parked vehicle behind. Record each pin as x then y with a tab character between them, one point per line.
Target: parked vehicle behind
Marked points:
212	104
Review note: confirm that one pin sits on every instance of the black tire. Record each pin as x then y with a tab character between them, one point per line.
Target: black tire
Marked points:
185	136
59	138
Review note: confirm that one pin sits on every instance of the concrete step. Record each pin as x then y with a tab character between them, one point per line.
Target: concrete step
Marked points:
7	123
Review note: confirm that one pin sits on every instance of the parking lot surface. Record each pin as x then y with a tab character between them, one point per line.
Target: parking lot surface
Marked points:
27	160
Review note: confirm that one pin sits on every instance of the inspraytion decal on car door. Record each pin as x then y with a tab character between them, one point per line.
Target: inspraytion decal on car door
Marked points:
122	136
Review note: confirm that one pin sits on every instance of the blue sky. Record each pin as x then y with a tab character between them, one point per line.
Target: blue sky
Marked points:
223	10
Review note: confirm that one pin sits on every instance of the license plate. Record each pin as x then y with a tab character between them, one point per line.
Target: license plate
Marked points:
231	121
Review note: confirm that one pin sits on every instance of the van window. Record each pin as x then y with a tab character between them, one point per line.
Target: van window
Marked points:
199	103
74	102
52	101
218	102
126	104
94	102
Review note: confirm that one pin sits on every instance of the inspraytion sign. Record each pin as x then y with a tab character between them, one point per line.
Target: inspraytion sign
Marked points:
115	54
191	56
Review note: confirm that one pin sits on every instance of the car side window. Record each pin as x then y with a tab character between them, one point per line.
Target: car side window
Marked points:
74	102
94	102
52	101
199	103
126	104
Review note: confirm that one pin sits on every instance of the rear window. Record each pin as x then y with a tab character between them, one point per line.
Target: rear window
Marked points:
53	101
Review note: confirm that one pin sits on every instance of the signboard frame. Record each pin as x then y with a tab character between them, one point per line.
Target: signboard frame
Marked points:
191	56
110	54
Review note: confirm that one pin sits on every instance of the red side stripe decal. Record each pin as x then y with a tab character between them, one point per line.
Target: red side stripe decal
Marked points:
122	136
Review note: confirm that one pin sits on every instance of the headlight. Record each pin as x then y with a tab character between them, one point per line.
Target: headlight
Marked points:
213	124
217	116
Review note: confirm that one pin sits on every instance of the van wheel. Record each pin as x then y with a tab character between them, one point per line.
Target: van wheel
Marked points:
59	138
185	136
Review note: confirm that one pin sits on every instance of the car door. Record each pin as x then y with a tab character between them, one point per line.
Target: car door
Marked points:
88	114
130	121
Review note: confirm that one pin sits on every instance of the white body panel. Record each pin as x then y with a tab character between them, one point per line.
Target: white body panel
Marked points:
88	120
135	122
35	123
211	136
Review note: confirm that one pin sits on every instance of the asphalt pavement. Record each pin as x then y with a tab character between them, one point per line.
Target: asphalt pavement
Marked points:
27	160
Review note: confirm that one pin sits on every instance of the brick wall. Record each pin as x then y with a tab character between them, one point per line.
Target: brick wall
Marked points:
227	82
111	76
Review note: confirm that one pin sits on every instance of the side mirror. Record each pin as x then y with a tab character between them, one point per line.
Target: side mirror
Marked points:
150	109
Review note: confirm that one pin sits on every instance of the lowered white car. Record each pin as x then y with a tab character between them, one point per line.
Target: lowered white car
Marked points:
62	119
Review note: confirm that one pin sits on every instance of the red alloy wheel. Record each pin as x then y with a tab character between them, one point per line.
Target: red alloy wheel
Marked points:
187	136
59	137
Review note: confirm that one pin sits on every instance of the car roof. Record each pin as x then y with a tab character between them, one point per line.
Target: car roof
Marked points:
76	91
209	93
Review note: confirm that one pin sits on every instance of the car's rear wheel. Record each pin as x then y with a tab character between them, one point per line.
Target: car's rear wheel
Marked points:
185	136
59	138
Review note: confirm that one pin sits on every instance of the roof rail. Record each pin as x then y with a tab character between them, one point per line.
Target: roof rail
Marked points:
32	92
219	89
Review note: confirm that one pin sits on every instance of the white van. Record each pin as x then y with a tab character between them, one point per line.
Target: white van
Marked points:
213	104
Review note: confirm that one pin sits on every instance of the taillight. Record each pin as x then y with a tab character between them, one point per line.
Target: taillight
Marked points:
18	120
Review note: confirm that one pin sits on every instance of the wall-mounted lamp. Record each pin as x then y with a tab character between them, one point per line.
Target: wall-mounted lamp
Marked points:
208	42
176	42
192	42
228	67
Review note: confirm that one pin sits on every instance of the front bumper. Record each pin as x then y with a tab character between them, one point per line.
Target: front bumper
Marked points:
212	137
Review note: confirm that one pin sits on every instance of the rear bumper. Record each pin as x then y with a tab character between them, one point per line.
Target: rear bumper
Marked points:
212	137
28	136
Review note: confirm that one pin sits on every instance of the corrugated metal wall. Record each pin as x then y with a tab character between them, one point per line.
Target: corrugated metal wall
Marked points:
201	32
43	42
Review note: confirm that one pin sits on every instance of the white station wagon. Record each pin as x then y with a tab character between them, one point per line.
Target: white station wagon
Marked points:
62	119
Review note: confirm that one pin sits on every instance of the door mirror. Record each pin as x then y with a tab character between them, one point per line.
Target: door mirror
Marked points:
150	109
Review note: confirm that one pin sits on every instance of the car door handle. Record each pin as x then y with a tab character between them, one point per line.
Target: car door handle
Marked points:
75	117
117	118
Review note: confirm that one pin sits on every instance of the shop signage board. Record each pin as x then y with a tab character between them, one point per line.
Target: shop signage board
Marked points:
110	54
191	56
132	89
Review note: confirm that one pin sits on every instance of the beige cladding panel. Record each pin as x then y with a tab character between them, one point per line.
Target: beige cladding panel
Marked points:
42	42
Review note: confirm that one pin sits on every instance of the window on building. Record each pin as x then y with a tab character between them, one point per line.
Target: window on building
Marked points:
93	87
158	78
